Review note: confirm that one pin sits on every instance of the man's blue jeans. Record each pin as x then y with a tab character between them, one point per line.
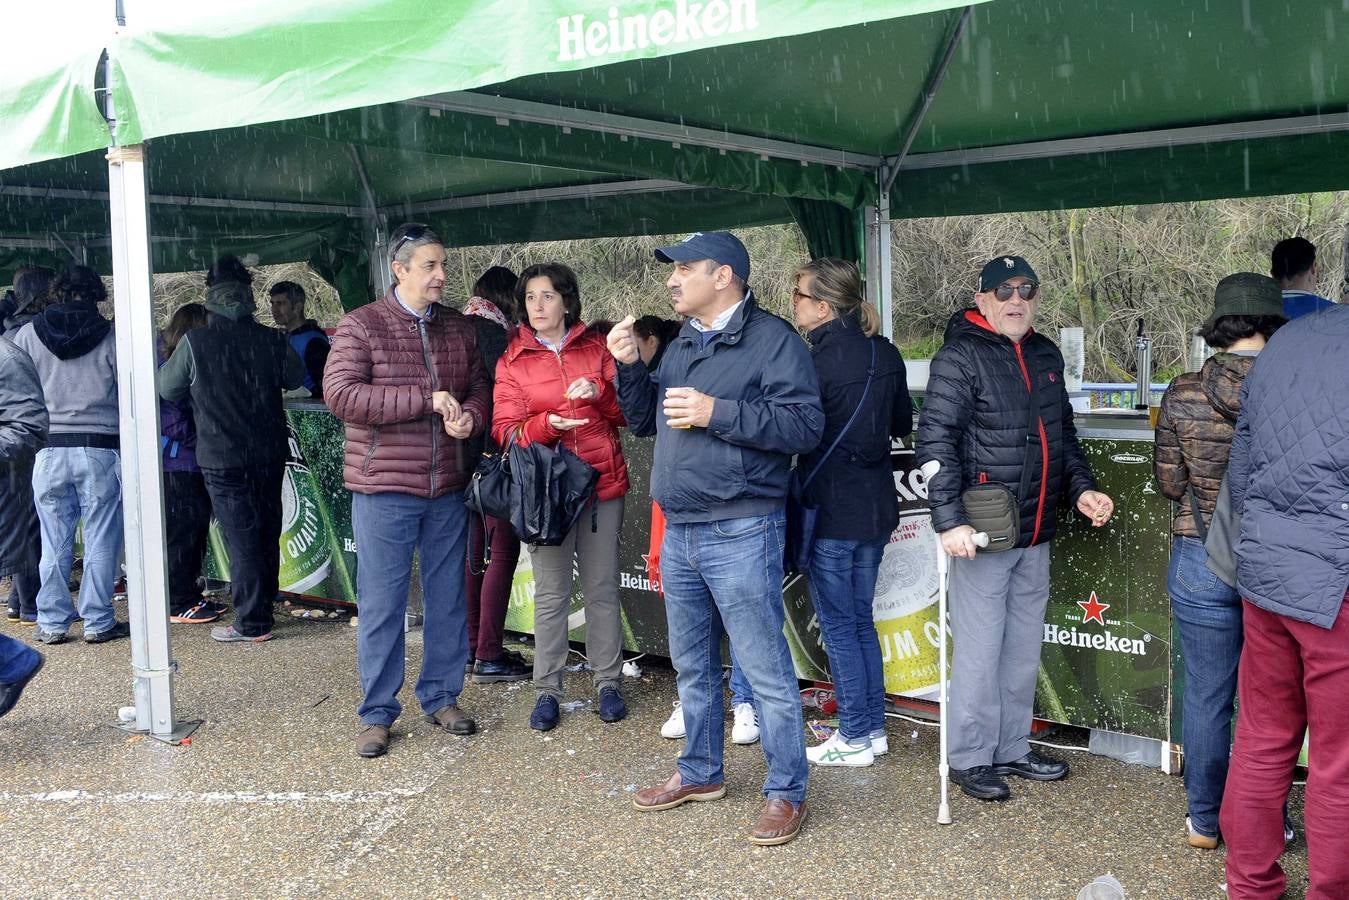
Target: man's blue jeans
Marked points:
388	527
1208	617
726	577
70	484
843	586
741	692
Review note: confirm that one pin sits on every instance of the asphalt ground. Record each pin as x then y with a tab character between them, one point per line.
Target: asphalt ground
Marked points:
269	799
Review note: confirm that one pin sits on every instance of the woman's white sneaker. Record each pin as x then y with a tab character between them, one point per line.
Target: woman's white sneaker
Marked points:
880	745
746	727
838	752
674	726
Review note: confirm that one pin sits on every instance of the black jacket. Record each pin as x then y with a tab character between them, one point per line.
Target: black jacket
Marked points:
975	423
23	431
234	373
767	409
492	340
855	488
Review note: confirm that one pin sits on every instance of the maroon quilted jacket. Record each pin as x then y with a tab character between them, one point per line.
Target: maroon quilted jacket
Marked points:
530	383
380	374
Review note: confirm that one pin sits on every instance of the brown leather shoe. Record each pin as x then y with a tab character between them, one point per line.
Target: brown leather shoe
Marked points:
778	823
372	741
673	792
453	720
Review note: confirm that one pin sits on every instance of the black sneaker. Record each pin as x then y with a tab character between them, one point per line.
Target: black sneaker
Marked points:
546	714
1034	766
12	615
118	630
490	671
49	637
198	615
612	708
981	783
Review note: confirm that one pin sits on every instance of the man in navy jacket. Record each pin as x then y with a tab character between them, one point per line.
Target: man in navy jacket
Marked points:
738	397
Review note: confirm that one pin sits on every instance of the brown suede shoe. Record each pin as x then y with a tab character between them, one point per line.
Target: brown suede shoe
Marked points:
372	741
673	792
778	823
453	720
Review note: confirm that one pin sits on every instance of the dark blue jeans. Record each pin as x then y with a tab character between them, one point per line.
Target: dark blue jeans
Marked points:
1208	617
727	576
842	586
388	527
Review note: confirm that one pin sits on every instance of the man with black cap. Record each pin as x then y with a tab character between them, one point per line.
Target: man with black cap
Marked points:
996	411
234	371
738	397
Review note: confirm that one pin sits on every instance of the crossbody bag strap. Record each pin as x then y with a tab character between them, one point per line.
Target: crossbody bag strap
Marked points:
1032	435
871	371
1194	511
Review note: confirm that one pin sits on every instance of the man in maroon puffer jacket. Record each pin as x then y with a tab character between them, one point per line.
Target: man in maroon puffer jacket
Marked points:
406	377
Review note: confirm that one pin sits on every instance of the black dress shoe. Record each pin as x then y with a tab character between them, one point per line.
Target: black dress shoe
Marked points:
981	783
489	671
1034	766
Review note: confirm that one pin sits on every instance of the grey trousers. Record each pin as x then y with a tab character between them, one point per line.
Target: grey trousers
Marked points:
596	555
997	609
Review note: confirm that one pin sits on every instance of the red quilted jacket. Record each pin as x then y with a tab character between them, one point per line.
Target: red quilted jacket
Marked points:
380	375
530	382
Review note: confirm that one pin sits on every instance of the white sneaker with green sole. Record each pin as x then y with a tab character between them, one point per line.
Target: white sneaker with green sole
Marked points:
838	752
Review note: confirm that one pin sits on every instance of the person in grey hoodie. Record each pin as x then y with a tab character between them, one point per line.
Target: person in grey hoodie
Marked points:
78	475
234	370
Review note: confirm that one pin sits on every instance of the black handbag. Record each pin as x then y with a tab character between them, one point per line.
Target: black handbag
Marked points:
801	516
489	490
993	508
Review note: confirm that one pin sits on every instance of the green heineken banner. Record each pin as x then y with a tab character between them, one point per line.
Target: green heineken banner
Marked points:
1106	654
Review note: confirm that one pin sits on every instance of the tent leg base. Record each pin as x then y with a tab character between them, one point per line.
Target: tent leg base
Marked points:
181	731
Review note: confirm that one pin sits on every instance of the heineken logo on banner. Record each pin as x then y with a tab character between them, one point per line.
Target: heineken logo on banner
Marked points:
685	21
639	582
1093	610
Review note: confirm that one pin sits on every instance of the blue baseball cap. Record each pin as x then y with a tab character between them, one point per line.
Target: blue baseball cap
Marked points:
1004	268
721	247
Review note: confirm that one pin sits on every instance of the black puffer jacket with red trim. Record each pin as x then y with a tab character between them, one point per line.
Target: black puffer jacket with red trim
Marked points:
975	419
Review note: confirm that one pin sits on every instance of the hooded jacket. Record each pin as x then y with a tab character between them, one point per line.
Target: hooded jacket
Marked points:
75	352
975	422
234	370
1194	436
530	383
23	431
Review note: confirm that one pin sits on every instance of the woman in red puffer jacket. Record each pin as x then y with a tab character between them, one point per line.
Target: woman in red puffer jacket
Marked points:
555	385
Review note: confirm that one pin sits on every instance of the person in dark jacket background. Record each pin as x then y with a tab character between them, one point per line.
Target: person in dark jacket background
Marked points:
78	475
1288	476
187	505
979	425
23	430
493	548
30	290
738	397
307	339
863	388
406	379
234	370
1194	434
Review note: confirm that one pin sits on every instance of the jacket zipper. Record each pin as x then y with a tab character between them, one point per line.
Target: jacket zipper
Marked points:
435	386
1044	448
571	406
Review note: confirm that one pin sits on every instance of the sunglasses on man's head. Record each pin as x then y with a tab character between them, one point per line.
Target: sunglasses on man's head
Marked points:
411	233
1027	289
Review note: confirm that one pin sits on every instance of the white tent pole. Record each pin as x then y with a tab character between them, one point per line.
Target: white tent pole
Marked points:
876	255
138	412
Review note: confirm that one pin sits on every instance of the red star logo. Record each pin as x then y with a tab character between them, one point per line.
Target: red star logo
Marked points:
1093	609
654	576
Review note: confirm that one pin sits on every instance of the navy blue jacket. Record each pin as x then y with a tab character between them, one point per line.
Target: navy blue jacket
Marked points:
975	421
767	409
1288	472
855	488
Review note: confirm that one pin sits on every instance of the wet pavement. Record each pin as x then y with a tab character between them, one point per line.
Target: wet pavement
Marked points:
270	800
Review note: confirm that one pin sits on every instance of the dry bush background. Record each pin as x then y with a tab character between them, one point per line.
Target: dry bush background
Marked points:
1102	269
